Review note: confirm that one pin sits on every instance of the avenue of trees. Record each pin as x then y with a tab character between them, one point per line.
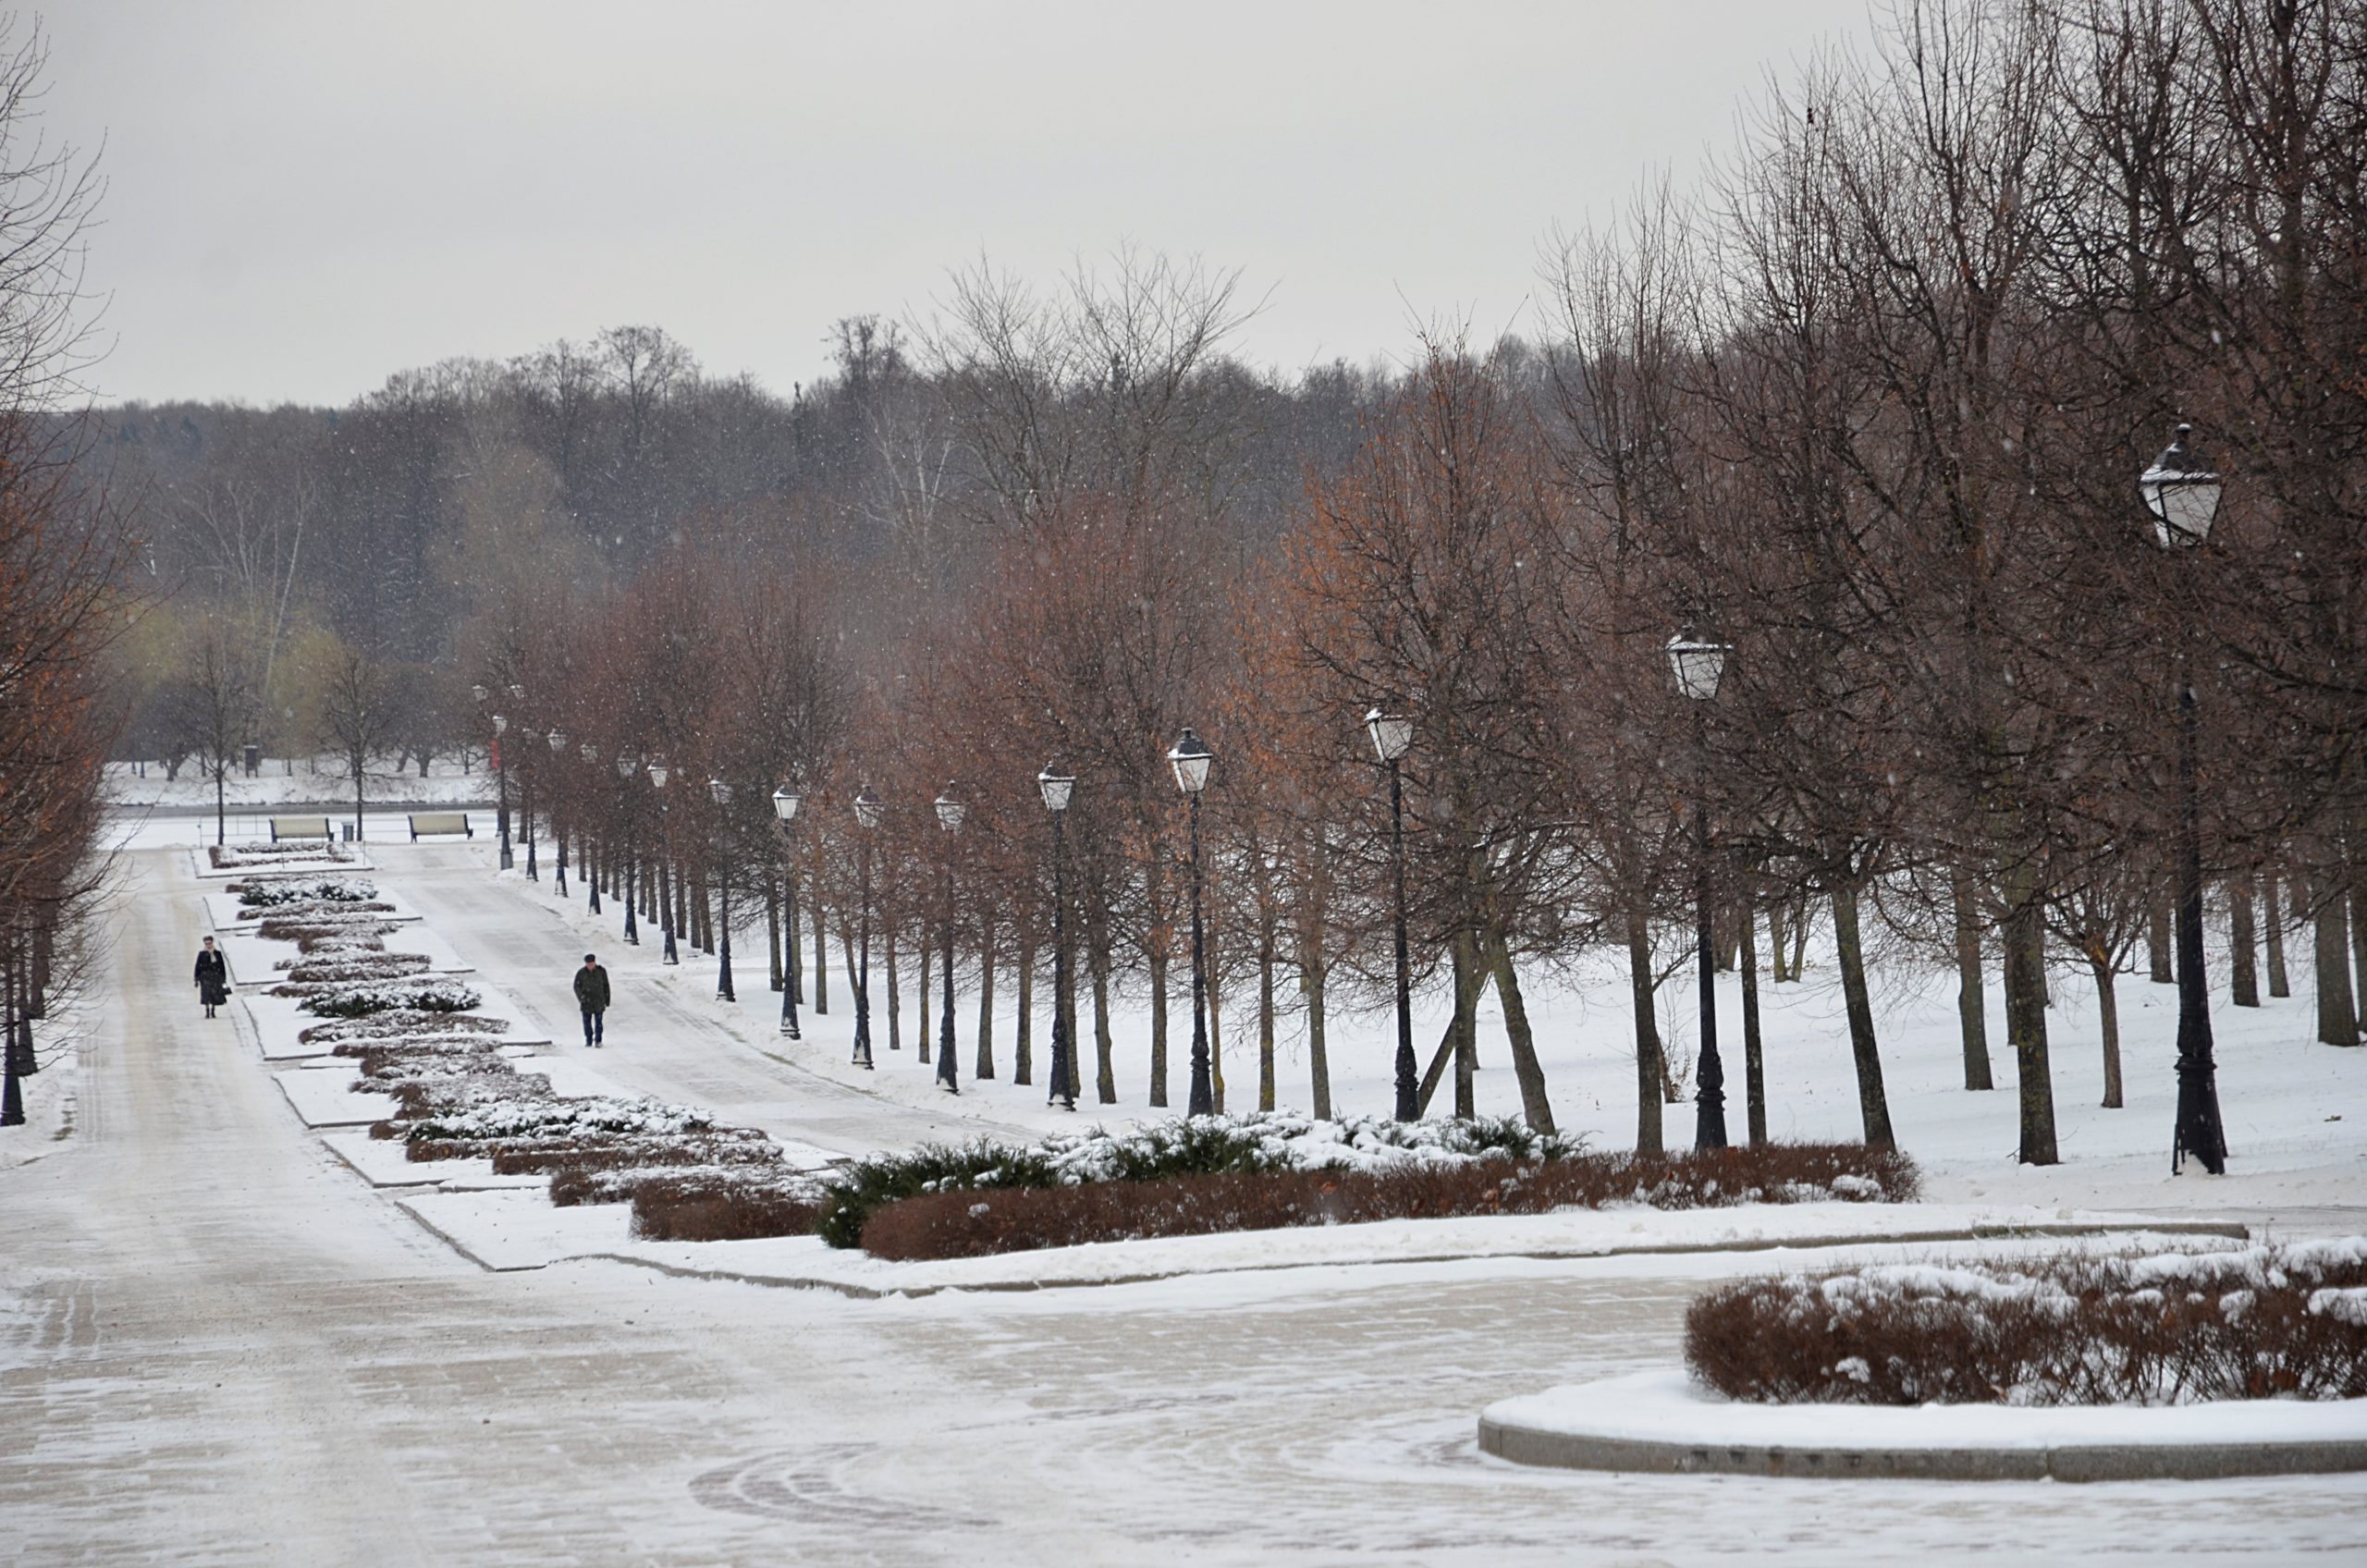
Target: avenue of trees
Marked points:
1868	404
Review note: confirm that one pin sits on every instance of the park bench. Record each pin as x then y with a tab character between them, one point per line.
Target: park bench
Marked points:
300	828
440	822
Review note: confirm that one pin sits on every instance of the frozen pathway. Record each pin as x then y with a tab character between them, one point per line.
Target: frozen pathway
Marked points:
217	1346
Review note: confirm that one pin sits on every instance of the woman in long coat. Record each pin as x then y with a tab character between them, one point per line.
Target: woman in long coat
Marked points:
212	977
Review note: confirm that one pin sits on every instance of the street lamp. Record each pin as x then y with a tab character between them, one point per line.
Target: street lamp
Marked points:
1057	785
721	793
628	769
950	813
785	803
1697	663
868	812
1190	759
658	773
2182	494
558	749
1392	737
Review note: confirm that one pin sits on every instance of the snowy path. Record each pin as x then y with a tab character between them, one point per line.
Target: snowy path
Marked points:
219	1346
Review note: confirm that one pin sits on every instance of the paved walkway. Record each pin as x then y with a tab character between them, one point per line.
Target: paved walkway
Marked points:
217	1346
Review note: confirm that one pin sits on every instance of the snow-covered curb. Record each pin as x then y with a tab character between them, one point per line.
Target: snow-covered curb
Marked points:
1660	1422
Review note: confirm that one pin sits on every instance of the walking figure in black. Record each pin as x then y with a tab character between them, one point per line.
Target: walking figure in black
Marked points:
592	995
212	977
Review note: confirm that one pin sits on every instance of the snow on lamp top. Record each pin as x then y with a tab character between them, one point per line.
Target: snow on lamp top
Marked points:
1190	759
1056	783
1697	663
2182	493
1392	733
659	771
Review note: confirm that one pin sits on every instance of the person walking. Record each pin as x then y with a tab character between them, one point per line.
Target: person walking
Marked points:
212	977
592	995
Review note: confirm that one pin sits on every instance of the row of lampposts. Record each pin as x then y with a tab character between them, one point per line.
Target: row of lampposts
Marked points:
2181	493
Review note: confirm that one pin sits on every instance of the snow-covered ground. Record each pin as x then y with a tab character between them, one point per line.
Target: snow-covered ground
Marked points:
220	1343
299	780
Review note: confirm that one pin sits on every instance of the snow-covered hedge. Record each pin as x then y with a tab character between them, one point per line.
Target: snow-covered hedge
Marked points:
552	1119
2260	1322
346	969
402	1024
430	995
281	927
281	891
267	852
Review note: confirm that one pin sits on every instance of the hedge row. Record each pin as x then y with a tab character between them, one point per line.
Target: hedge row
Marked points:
973	1223
2275	1321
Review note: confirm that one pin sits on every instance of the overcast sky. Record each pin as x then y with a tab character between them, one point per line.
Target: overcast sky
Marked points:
304	198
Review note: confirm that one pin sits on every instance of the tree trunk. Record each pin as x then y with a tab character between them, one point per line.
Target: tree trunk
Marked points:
1535	1108
895	1002
1800	937
772	932
1157	1026
1216	1043
2243	974
1104	1083
1873	1106
2337	1014
1266	1009
2026	1032
1648	1033
1754	1067
2359	933
1775	942
921	1029
2108	1016
792	950
1023	1045
1972	1019
986	1068
1310	987
1467	979
821	956
2157	944
2279	983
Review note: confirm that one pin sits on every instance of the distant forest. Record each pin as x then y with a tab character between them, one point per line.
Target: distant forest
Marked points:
390	527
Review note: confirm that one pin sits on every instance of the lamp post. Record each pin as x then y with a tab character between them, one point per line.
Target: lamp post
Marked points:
1056	785
2182	494
869	810
628	770
1697	663
658	773
1190	758
785	803
950	812
1393	736
501	789
558	749
721	793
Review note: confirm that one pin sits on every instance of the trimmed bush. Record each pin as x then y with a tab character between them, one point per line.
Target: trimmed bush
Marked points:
971	1224
559	1118
267	852
282	891
2274	1321
400	1024
297	928
418	995
717	1145
310	979
724	1204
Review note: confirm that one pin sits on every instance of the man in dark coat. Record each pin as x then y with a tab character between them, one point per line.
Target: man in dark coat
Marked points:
592	995
212	977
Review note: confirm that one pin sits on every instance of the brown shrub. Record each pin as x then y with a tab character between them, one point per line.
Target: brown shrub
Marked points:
725	1204
2249	1323
974	1222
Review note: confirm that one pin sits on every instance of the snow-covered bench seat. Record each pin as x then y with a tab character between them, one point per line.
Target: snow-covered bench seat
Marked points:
300	828
440	822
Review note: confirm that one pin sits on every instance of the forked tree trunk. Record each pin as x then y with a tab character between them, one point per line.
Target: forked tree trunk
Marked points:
2026	1032
1873	1105
1972	1017
1648	1071
1535	1108
2108	1018
2243	973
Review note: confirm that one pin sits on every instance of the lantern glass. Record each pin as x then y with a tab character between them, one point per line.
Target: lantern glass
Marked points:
951	811
559	739
501	725
1056	786
627	768
718	791
1392	733
659	771
1190	759
785	803
868	808
1698	664
2182	494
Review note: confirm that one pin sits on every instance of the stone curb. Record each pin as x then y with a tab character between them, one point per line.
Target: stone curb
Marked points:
2081	1462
